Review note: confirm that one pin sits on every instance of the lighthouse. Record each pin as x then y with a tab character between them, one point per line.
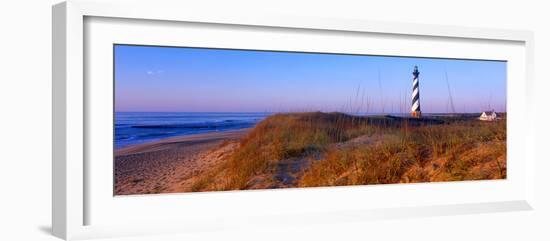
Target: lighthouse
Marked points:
415	108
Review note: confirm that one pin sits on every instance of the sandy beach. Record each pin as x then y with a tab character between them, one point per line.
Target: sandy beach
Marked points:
169	165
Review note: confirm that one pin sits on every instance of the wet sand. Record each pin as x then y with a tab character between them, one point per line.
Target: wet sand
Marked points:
169	165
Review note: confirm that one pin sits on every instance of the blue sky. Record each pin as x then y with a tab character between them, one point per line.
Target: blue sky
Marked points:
173	79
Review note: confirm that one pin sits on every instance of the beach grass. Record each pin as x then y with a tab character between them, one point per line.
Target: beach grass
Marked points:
449	152
335	149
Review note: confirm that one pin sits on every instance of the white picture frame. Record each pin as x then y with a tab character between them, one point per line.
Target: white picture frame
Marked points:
73	191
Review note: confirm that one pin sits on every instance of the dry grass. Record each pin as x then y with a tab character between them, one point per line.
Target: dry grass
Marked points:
468	150
348	150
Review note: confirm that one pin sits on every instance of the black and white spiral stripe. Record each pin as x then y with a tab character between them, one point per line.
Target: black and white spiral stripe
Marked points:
416	92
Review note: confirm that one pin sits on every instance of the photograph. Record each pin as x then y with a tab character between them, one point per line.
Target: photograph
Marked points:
193	119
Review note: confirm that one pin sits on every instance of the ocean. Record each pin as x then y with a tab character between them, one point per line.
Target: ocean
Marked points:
141	127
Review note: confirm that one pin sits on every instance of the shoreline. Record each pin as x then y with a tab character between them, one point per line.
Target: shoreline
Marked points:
164	143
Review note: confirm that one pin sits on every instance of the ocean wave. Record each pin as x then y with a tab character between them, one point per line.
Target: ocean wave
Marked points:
225	124
133	128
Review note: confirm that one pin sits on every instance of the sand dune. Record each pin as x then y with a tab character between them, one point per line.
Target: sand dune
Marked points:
316	149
